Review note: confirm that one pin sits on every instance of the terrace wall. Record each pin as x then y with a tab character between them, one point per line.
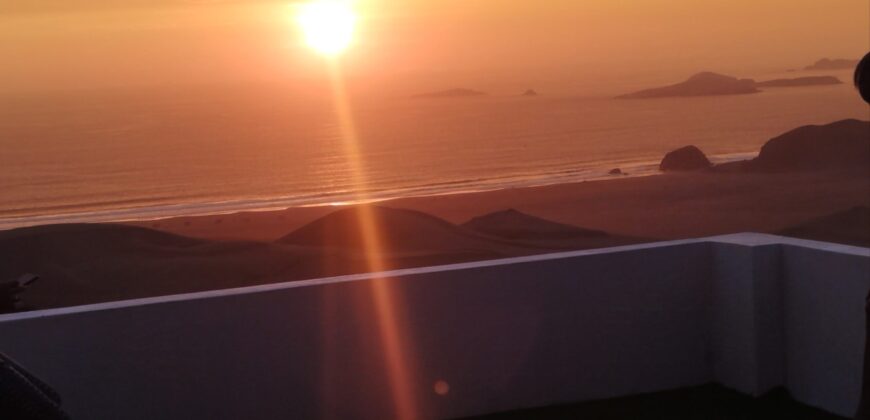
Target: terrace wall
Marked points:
749	311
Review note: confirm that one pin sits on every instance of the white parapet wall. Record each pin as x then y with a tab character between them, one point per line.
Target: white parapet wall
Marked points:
749	311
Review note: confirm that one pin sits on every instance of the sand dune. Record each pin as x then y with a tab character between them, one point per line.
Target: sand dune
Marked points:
89	263
407	233
514	225
94	263
399	231
405	238
809	176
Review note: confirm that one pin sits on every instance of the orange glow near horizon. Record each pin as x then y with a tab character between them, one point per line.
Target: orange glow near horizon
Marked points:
386	301
418	45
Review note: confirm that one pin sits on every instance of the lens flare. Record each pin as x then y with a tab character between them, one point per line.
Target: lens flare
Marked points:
384	294
441	387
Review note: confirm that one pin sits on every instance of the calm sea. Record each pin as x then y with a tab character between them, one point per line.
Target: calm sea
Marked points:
116	155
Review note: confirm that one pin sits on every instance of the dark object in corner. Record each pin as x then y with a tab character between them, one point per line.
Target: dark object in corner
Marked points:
10	291
862	77
688	158
24	397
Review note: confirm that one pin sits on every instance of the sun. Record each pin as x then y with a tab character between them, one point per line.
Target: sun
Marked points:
327	25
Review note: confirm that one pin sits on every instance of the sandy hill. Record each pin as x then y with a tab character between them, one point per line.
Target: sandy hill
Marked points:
523	228
89	263
850	226
701	84
400	232
408	232
512	224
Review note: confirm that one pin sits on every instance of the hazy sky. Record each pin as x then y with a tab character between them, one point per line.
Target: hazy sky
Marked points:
418	44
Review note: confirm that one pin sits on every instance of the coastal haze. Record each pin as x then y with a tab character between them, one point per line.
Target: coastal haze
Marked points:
337	187
412	46
159	152
125	110
230	148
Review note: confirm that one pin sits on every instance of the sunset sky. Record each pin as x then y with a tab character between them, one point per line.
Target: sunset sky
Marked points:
418	44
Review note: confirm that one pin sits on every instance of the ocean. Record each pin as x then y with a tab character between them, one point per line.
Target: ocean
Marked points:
108	155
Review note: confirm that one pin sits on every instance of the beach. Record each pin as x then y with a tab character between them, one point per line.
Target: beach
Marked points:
157	153
90	263
667	206
102	241
810	182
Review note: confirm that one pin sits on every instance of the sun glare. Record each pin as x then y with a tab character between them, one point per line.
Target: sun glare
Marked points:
327	25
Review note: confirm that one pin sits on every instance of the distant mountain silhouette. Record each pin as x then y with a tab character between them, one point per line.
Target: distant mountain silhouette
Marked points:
530	92
451	93
801	81
851	227
835	64
838	145
701	84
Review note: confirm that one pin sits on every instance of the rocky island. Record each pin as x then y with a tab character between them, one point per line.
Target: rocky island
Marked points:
701	84
833	64
801	81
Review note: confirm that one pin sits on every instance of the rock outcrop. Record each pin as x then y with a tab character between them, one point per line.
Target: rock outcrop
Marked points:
688	158
839	145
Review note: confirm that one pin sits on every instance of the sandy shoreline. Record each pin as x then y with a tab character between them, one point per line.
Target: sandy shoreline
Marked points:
667	206
600	172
